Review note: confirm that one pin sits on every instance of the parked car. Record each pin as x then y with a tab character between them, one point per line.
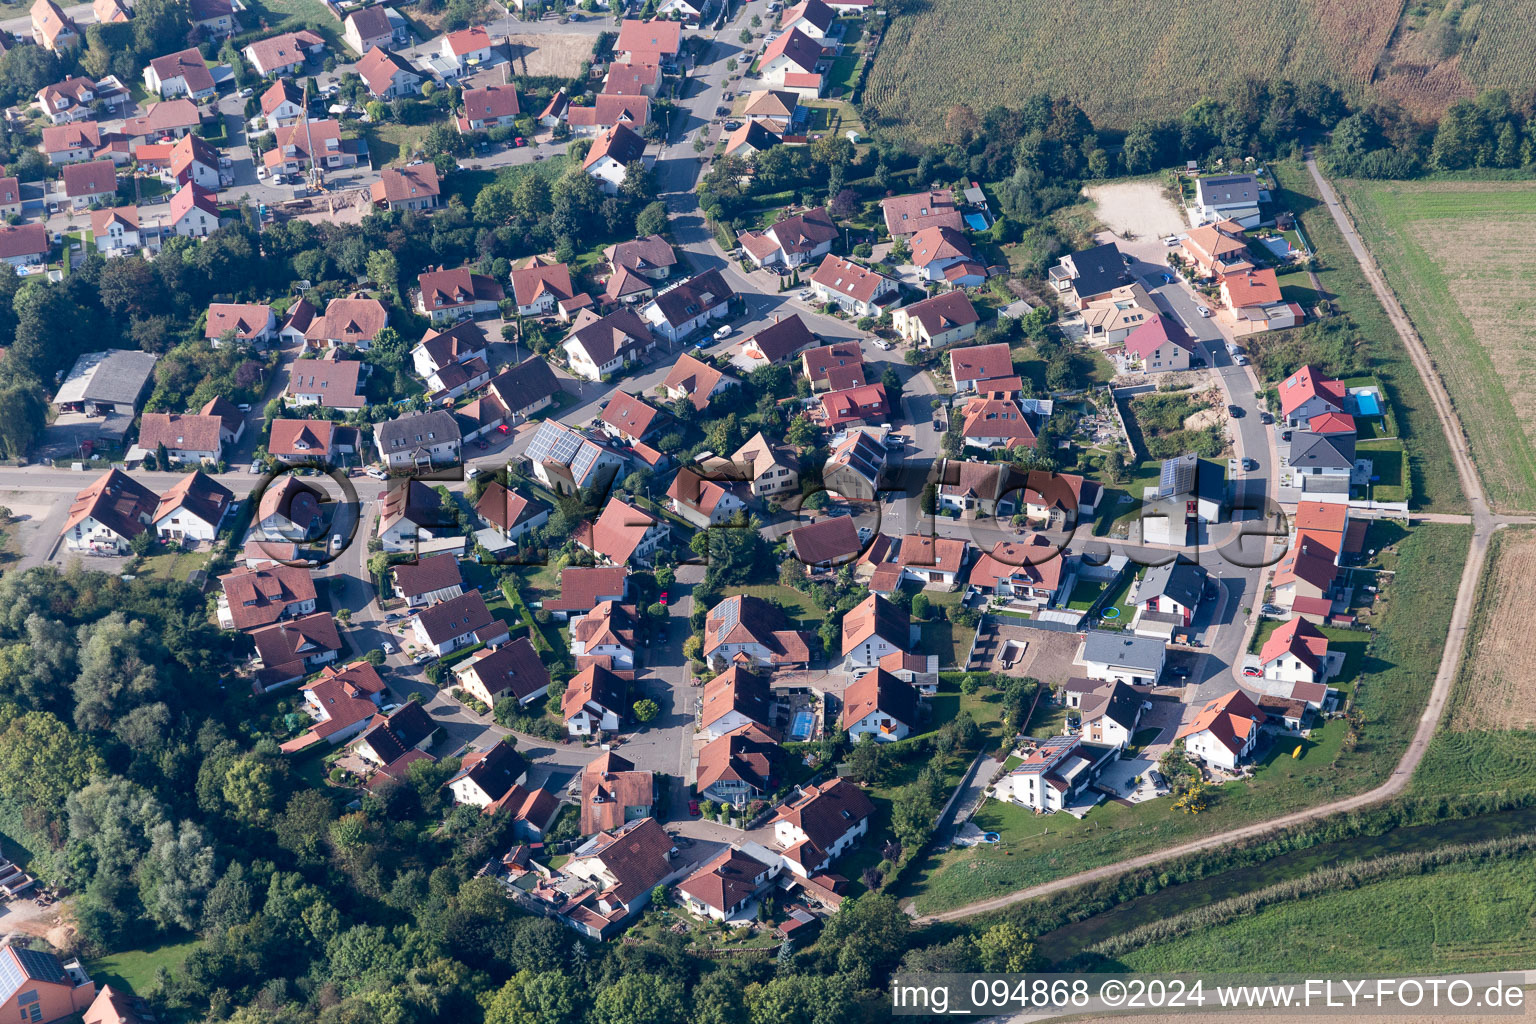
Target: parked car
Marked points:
1265	417
1235	411
376	473
519	142
1171	240
247	93
731	126
1251	672
424	657
894	442
1203	311
1250	465
393	617
1285	435
387	647
693	809
883	345
723	332
722	111
336	542
663	598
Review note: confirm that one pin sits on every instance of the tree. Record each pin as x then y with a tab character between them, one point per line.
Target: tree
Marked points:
250	789
638	185
384	272
652	219
868	762
744	38
42	761
961	125
176	875
693	648
866	936
645	710
1007	948
914	807
640	999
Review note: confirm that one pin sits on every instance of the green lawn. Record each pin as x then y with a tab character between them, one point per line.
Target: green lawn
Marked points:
1472	916
797	606
1113	513
1435	486
135	969
1396	671
174	565
1460	258
282	15
1387	458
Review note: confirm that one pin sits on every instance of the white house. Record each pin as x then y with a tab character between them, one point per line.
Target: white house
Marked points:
1224	731
193	509
194	211
1110	714
607	631
458	622
872	629
678	312
1130	659
607	345
1298	652
790	61
594	701
180	74
1227	197
485	776
611	154
937	321
109	513
513	671
419	439
726	889
116	229
1056	773
880	707
701	501
858	290
428	580
820	823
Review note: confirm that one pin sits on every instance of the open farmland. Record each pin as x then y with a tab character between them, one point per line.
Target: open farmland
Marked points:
1496	689
1118	59
1462	260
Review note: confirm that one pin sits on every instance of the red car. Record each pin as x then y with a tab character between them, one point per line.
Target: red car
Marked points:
663	597
1251	672
693	808
519	141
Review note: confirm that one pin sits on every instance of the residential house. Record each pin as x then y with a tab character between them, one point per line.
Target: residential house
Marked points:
513	671
394	741
973	489
781	340
863	405
510	513
826	543
113	1006
611	154
457	293
567	460
304	145
388	75
1297	652
623	534
283	55
1130	659
1217	249
184	73
251	598
637	267
71	143
1254	298
194	211
1304	578
290	511
419	439
1057	774
614	793
1167	597
328	383
608	345
688	307
879	706
595	700
10	197
696	380
409	511
407	188
211	19
1224	731
747	141
524	390
173	118
937	321
737	767
1158	346
458	622
486	776
1091	274
820	823
726	889
748	632
106	516
792	240
605	636
734	700
856	467
907	215
630	419
606	110
617	872
194	160
466	48
632	80
811	17
89	184
773	470
192	510
703	502
791	62
186	437
688	11
282	103
290	649
857	290
116	230
1027	572
540	286
583	588
1308	393
452	361
36	986
649	42
779	109
1320	463
370	27
428	580
24	245
300	442
1110	319
943	254
998	419
937	562
491	106
972	366
343	701
1228	197
69	100
52	28
253	323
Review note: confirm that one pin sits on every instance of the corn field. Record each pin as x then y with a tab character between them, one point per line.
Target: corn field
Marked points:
1119	60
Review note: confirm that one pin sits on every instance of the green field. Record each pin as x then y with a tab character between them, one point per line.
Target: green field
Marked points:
1462	259
1473	916
135	969
1432	475
1003	51
1395	675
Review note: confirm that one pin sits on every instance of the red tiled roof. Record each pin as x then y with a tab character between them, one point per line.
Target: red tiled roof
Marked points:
649	37
847	278
1229	719
1252	288
581	587
180	431
399	184
286	435
1307	383
619	530
879	691
1300	638
540	278
257	597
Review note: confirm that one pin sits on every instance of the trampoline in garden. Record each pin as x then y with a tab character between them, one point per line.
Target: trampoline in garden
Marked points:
1112	612
803	724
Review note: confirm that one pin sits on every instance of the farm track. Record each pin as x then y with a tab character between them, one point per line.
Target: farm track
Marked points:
1484	523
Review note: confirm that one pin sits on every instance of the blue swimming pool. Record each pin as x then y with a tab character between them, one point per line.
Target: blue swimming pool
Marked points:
976	221
803	724
1366	403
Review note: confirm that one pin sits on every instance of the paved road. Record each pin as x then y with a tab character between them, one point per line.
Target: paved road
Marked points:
1483	523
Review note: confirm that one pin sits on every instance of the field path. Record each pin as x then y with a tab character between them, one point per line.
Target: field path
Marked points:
1483	525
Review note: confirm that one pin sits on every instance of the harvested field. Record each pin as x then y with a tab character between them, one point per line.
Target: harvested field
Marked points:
1462	259
1496	689
1136	209
1007	50
550	55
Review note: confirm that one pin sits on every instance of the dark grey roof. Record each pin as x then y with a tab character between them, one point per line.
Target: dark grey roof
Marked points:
116	375
1117	702
1098	270
1123	650
422	428
1228	190
1322	451
1182	582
